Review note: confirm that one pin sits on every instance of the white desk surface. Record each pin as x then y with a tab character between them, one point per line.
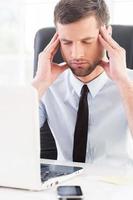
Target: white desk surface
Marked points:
99	181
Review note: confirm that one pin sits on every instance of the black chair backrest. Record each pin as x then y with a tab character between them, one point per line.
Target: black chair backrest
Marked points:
121	33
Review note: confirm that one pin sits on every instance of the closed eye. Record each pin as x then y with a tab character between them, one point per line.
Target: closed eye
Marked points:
86	42
66	43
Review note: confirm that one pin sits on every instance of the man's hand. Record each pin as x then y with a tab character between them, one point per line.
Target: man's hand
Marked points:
47	70
116	67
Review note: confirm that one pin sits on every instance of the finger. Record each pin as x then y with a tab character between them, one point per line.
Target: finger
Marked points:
105	44
63	65
60	67
52	48
48	53
103	63
107	37
54	38
105	66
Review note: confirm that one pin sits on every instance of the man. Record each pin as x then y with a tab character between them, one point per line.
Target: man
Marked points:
84	36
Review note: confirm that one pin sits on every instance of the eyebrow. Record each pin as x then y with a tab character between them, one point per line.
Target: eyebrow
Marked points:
86	38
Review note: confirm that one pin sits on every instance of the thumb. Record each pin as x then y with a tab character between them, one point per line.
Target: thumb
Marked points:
104	64
63	66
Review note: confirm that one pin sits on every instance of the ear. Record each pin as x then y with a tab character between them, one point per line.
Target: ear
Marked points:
109	29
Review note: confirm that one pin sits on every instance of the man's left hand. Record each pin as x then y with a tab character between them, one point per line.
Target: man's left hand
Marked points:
116	67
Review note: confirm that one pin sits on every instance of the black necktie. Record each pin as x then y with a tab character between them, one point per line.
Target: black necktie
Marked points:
81	128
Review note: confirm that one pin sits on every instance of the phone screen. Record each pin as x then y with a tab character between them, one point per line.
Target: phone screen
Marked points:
69	191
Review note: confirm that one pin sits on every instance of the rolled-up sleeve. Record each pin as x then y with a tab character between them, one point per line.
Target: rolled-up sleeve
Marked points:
42	113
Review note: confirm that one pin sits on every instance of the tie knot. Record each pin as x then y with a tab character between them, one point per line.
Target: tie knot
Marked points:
84	90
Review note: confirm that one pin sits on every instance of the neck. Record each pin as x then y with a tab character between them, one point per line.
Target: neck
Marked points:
86	79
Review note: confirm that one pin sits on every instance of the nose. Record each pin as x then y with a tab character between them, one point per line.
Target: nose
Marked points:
77	51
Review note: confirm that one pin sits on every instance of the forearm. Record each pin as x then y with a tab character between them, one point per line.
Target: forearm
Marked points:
126	92
40	86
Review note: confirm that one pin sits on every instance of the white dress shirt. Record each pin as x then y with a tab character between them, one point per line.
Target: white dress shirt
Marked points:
107	125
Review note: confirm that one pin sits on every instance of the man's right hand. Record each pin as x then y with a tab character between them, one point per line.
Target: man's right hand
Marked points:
48	71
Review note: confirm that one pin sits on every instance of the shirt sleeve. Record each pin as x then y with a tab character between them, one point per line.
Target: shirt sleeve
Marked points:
42	113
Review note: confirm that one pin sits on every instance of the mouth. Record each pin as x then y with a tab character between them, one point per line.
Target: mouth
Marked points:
78	64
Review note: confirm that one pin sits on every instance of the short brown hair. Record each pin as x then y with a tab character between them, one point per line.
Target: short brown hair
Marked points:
68	11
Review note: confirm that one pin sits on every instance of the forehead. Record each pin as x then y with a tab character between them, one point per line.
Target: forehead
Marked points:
86	27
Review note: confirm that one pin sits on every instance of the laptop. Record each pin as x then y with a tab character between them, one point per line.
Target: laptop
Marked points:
20	165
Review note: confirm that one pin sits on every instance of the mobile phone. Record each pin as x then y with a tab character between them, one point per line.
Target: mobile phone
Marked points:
69	192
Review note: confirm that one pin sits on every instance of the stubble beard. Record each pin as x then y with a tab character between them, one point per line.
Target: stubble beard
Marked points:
82	72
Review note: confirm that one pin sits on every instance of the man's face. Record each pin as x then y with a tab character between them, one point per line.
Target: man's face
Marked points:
80	46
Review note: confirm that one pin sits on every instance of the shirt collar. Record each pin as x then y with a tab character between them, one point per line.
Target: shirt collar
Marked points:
94	86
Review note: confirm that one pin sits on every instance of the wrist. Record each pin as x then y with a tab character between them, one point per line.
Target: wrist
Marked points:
124	84
41	86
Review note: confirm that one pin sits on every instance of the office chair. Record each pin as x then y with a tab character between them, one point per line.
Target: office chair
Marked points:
123	34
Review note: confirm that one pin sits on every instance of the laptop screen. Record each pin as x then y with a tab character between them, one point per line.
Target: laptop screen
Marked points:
49	171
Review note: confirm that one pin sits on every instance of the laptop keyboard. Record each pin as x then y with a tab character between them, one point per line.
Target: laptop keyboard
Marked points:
49	171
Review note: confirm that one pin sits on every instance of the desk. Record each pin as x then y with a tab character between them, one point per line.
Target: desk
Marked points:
95	181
